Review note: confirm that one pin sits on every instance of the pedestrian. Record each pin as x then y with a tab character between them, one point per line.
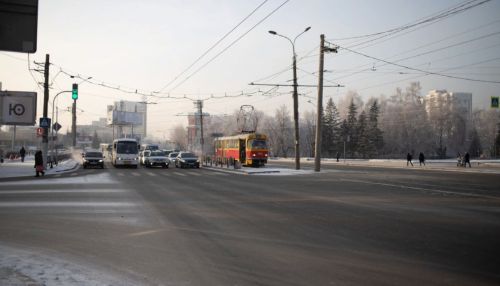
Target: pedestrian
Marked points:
467	160
409	157
338	156
421	158
39	164
22	152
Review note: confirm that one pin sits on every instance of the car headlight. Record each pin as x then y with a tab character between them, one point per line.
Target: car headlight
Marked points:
100	161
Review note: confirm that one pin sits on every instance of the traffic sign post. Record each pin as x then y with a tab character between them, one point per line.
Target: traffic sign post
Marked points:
44	122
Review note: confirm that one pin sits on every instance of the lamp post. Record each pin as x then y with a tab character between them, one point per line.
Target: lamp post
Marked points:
54	150
295	95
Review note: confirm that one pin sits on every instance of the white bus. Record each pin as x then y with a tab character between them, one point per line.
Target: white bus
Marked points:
125	152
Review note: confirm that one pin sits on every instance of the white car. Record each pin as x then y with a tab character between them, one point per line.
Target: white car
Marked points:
156	158
172	157
143	155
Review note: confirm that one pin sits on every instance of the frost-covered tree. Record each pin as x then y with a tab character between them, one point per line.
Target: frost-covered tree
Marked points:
330	130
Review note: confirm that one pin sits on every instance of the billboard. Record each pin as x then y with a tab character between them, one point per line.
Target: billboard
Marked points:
17	108
116	117
18	25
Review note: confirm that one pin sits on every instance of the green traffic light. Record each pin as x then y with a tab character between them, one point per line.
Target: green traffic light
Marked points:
74	93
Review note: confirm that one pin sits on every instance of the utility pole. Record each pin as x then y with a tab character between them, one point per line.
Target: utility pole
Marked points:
45	139
319	120
199	105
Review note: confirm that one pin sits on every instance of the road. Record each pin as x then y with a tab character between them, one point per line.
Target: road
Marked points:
343	226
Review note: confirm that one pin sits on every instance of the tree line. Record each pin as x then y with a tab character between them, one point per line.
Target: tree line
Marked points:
383	127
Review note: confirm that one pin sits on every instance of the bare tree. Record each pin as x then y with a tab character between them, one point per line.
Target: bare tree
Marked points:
179	136
279	130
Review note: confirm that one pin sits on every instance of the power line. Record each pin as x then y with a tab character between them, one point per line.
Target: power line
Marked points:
212	47
229	46
420	70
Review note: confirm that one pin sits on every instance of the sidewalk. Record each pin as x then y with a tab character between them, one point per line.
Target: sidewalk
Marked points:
478	166
16	168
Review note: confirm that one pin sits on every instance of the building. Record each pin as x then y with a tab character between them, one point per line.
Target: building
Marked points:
458	102
128	119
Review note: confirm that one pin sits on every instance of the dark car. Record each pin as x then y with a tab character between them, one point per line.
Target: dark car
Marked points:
93	159
187	159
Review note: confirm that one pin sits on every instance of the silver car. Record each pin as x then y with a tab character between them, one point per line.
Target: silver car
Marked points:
172	157
156	158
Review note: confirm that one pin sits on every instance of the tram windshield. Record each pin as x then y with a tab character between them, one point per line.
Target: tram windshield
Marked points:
257	144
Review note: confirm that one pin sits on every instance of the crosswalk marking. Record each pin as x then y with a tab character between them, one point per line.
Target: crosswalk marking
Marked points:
136	174
120	174
151	174
179	174
194	174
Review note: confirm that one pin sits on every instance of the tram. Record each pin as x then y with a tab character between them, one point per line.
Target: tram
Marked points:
249	149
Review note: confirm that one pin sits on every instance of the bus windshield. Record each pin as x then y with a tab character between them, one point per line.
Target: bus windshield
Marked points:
257	144
126	148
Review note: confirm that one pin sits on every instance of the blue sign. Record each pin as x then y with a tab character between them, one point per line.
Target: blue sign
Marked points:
44	122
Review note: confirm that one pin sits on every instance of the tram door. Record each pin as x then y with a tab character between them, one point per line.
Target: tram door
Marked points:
243	152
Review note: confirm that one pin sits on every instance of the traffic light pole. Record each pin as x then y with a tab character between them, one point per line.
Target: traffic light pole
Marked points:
73	125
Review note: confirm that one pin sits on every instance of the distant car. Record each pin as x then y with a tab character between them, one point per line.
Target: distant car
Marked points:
187	159
172	156
143	156
93	159
156	158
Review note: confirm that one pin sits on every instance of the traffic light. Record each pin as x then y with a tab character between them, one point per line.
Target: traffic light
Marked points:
74	94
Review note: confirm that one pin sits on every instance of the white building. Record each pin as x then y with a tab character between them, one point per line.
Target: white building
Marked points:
460	102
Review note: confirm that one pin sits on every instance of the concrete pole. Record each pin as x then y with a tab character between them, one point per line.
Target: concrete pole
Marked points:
73	125
45	139
319	118
296	111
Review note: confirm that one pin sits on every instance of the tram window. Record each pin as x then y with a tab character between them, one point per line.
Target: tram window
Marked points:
258	144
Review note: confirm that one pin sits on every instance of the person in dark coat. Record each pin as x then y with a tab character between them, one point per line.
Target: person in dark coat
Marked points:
467	160
39	164
338	156
409	157
22	152
421	158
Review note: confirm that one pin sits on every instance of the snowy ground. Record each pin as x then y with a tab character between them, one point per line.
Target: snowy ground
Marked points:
16	168
40	268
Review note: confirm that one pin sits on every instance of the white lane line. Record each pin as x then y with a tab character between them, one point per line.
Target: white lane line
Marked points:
120	174
136	174
423	189
38	204
194	174
179	174
151	174
28	192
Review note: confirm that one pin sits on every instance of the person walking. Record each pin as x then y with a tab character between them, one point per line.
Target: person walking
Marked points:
338	156
421	158
409	157
39	164
22	152
467	160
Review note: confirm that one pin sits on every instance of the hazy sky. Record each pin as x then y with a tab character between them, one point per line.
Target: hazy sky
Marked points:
144	45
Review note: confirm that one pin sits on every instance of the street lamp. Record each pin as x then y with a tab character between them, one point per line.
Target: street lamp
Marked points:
295	95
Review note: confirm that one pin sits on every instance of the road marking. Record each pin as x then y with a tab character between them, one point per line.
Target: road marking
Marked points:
196	174
423	189
57	176
38	204
120	174
151	174
179	174
136	174
73	174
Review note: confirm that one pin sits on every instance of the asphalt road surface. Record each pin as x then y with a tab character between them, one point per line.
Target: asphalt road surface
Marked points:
343	226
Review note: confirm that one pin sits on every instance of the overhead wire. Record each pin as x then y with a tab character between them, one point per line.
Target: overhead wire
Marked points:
229	46
212	47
